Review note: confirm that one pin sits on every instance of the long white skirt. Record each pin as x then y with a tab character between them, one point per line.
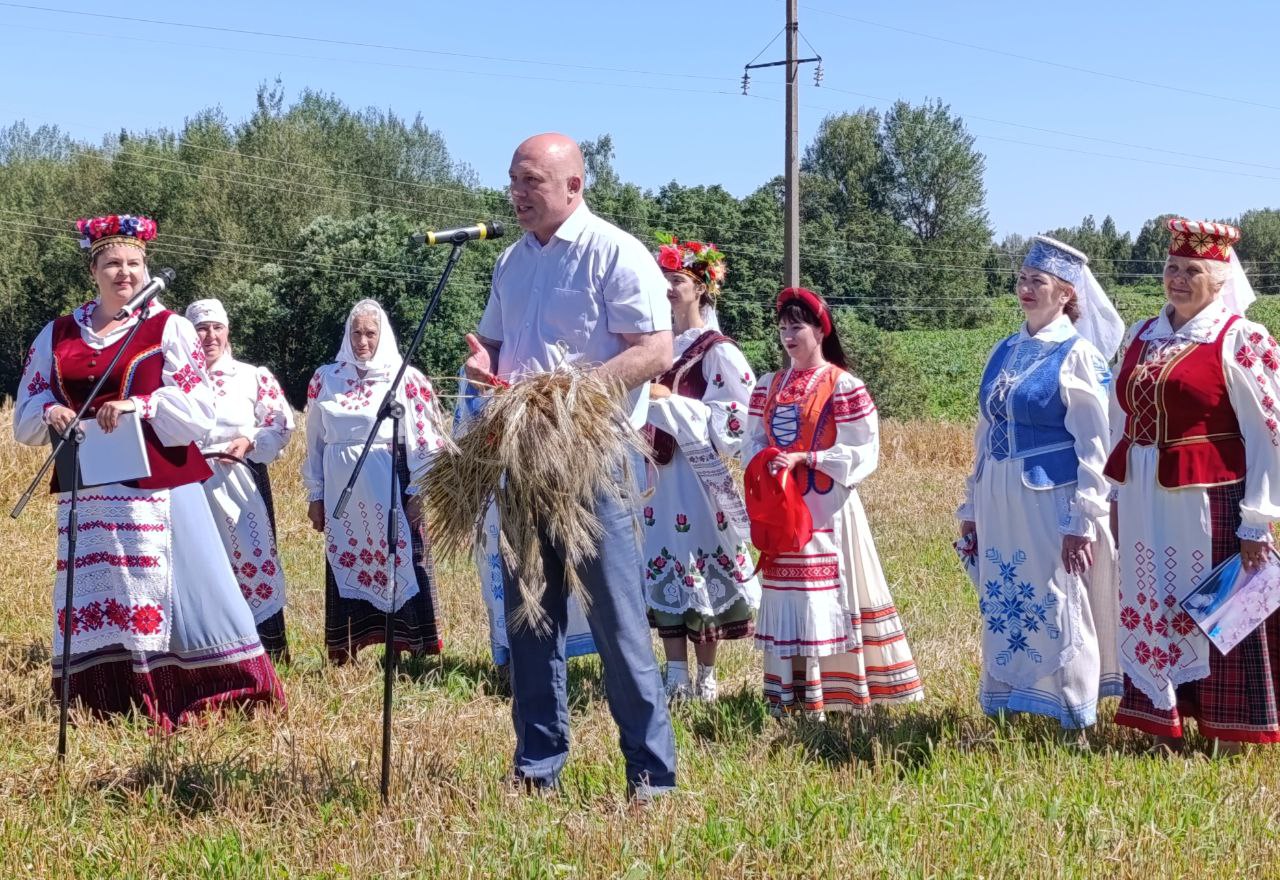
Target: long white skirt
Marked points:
1048	638
830	631
245	528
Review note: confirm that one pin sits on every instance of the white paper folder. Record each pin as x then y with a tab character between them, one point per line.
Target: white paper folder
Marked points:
117	457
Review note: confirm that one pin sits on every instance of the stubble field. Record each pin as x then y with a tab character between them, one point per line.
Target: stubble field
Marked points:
934	789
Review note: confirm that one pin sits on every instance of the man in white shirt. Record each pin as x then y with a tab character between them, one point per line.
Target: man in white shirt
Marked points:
577	287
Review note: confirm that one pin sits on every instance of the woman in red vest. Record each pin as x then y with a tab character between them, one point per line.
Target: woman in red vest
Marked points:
830	631
1197	463
157	621
698	582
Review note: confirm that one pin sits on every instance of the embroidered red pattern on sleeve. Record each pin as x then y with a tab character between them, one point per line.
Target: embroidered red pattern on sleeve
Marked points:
38	384
850	406
186	378
1261	356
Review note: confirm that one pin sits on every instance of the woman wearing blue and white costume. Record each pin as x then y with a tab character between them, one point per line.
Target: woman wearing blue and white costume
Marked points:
1036	501
488	556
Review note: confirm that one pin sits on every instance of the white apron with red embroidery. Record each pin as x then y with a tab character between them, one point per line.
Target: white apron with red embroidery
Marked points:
248	402
341	410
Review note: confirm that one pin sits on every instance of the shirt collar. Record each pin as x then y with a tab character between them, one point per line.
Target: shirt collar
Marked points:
225	365
1057	330
1204	327
569	230
84	314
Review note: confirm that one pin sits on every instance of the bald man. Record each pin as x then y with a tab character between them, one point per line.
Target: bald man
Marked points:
579	288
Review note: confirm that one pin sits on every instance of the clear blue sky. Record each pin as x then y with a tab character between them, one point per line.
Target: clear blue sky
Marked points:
92	76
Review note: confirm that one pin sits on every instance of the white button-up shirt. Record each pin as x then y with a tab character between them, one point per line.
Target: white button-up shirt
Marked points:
590	283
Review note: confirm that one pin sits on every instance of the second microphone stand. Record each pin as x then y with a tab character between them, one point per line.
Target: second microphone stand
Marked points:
394	410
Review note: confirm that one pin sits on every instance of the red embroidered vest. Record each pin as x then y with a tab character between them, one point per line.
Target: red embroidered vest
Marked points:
1181	406
140	371
684	380
814	429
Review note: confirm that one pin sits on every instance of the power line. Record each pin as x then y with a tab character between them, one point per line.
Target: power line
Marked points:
451	211
1071	134
1043	61
391	64
357	44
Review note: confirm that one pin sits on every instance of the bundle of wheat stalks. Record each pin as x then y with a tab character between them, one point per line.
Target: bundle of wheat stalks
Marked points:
546	448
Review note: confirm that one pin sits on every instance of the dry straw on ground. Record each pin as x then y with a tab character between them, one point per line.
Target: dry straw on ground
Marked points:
548	447
928	790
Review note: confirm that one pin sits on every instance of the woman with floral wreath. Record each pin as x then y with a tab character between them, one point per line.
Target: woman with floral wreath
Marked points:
157	623
698	581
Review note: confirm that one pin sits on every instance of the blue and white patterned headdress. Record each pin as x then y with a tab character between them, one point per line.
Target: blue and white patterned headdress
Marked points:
1098	322
1058	259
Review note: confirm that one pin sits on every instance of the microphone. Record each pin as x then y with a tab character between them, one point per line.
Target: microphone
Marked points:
479	232
160	281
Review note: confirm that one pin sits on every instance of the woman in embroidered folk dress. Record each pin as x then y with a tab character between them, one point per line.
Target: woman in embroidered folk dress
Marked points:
158	622
1036	502
342	403
699	583
831	636
1197	460
253	425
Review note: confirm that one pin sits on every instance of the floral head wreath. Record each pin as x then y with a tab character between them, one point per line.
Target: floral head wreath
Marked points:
113	229
700	261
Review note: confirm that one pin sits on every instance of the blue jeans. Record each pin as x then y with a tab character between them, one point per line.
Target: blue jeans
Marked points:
633	685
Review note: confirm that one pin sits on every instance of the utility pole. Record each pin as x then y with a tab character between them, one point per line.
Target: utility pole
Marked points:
791	228
791	211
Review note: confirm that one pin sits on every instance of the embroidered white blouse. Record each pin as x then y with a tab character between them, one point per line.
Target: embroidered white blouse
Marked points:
181	411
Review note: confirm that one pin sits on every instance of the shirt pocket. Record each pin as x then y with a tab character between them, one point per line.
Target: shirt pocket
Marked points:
569	315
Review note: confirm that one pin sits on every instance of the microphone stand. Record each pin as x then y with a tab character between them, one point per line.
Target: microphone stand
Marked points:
392	409
75	436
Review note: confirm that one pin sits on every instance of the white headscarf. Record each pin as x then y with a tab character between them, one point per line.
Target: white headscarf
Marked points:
1237	293
1099	321
205	311
386	360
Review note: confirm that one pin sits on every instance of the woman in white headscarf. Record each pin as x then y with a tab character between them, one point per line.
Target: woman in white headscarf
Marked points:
253	424
342	404
1197	458
1034	522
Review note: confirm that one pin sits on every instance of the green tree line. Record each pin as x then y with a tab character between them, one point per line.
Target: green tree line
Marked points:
292	214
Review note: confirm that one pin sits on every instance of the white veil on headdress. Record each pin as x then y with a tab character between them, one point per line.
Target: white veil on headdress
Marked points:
386	360
1237	293
710	318
1099	322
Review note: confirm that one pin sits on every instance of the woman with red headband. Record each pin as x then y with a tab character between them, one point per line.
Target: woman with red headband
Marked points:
828	626
1196	420
698	581
157	621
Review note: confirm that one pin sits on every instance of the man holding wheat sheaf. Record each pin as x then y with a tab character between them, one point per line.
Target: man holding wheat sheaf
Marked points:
575	288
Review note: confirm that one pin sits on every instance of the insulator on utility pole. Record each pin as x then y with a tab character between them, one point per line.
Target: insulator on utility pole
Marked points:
746	81
817	75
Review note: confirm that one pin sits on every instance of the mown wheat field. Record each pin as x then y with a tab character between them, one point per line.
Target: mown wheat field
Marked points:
934	789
